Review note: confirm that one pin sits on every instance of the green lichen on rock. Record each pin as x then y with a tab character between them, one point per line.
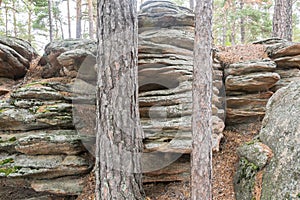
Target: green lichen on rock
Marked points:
245	179
6	168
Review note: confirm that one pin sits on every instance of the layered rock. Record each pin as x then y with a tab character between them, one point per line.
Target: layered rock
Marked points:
269	169
39	146
166	38
250	84
248	90
15	57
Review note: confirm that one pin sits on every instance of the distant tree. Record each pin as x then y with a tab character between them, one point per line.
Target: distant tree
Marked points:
192	4
50	20
282	19
78	18
69	18
91	18
119	133
201	160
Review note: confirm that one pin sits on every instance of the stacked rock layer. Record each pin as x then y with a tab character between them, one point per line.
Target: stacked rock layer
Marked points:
166	42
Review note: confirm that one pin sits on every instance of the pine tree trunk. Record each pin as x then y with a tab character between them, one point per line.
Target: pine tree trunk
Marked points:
69	18
14	18
119	134
201	161
78	19
242	23
91	19
50	20
282	19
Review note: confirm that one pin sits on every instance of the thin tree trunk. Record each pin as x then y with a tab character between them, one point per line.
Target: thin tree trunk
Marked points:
242	23
50	20
282	19
78	19
119	134
29	26
192	4
201	161
91	19
69	18
6	19
14	18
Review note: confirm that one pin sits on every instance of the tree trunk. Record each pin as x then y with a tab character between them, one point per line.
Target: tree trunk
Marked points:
14	18
282	19
69	18
50	20
192	4
242	23
29	26
119	133
201	161
91	19
78	19
6	19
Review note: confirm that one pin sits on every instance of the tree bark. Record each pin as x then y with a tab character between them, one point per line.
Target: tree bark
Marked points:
119	134
69	18
50	20
91	19
282	19
201	161
78	19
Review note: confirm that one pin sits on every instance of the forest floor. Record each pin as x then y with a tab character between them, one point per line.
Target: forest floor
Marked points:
224	166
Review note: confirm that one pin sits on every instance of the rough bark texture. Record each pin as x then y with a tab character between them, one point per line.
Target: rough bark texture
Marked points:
202	97
282	19
119	134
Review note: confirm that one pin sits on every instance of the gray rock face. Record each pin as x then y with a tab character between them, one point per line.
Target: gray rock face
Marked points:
15	57
271	167
253	158
281	132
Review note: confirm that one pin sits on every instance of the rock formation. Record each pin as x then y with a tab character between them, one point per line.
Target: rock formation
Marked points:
269	168
166	42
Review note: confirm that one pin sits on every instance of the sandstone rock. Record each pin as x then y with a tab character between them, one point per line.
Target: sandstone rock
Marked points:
288	61
284	82
250	67
281	132
37	90
249	101
50	142
44	166
70	49
164	14
6	85
15	57
288	49
252	82
46	116
62	186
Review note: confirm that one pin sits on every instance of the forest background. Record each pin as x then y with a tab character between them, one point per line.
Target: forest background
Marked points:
40	21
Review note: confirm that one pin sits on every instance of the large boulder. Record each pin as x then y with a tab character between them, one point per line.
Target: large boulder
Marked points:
281	132
269	168
65	57
15	57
